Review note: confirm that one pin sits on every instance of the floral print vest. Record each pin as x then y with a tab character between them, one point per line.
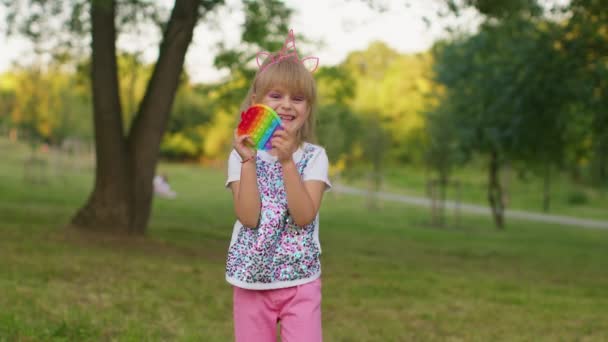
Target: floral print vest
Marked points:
277	250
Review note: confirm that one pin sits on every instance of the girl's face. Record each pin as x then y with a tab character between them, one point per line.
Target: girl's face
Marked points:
292	108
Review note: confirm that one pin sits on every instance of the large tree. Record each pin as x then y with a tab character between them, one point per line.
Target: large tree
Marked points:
127	154
122	196
125	160
505	90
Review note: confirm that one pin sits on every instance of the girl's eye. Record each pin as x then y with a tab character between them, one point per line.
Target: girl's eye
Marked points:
275	95
299	98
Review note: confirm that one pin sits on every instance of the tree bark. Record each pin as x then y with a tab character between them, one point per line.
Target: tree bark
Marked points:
600	158
547	188
431	191
121	199
109	205
151	120
495	192
443	189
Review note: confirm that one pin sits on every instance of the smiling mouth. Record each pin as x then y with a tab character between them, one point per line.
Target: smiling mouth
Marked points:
285	117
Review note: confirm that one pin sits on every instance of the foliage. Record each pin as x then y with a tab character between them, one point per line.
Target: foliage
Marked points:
185	134
338	130
503	86
577	197
265	28
531	84
133	77
393	88
565	60
499	9
443	150
7	99
585	43
334	85
519	89
60	29
178	145
47	105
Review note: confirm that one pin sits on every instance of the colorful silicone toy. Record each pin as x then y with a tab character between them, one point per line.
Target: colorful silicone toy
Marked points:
259	122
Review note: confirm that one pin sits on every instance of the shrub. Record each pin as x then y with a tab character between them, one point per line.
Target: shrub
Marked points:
577	197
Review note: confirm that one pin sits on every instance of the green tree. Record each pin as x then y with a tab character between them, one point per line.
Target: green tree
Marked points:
7	99
443	153
29	110
585	42
374	141
337	126
193	109
125	162
504	90
126	158
582	41
394	87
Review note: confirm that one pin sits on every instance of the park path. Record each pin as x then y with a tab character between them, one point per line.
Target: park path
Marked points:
477	209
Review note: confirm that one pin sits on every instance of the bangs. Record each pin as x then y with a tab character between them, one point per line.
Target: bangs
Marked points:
290	75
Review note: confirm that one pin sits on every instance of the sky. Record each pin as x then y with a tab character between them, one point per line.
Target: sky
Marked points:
341	26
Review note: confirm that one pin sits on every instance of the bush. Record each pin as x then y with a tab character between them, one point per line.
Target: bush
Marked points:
179	146
577	197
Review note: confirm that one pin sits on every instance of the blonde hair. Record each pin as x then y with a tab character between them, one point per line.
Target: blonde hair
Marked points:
290	74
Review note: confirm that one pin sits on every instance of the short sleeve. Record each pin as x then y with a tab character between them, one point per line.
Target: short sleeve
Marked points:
234	168
318	168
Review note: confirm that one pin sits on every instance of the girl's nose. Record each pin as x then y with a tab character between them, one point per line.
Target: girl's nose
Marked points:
285	102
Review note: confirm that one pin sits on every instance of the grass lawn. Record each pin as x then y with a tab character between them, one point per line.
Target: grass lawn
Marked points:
387	275
567	198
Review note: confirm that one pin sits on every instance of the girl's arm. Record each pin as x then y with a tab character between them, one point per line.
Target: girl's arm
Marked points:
245	193
303	197
246	196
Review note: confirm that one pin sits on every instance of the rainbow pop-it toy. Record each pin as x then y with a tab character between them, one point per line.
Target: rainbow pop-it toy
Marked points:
259	122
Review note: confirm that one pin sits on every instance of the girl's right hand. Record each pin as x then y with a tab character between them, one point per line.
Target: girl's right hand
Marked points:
242	144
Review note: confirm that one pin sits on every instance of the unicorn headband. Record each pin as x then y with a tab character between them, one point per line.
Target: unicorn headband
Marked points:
287	51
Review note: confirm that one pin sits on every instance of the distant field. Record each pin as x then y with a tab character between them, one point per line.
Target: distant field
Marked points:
387	275
567	198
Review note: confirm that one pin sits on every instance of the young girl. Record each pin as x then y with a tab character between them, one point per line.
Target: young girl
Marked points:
273	258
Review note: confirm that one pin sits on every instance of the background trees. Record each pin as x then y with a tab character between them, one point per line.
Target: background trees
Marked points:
512	91
526	90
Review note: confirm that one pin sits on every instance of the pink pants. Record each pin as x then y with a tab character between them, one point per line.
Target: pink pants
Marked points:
298	308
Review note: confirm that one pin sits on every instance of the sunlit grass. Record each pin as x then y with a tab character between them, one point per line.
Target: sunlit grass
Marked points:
387	275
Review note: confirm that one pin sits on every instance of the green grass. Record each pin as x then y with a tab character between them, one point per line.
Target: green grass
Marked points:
387	275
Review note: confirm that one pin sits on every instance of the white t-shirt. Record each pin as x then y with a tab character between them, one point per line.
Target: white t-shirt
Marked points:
316	169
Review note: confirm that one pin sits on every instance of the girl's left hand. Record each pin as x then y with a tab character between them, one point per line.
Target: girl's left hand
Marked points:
285	144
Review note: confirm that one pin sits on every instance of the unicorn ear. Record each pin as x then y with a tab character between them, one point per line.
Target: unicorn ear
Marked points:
311	63
264	54
289	47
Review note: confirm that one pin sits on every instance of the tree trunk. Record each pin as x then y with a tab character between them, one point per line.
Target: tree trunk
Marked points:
122	196
432	194
458	199
600	162
506	182
108	206
495	192
374	186
547	189
149	125
599	166
443	188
